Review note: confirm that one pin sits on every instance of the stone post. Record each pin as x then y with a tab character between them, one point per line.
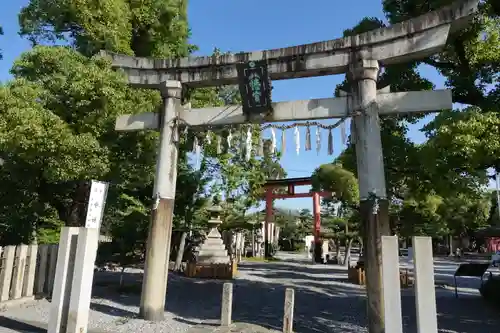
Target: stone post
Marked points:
288	310
158	246
227	304
425	290
391	279
59	311
83	276
374	205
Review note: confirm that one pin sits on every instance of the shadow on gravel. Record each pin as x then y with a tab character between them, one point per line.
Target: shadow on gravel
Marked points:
19	326
319	306
280	266
112	311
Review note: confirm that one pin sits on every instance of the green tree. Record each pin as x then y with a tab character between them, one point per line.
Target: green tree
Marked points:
421	218
57	120
466	143
87	95
154	28
494	216
465	214
341	182
143	28
470	63
338	209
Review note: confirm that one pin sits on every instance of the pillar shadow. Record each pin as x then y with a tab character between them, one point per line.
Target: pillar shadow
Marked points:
21	326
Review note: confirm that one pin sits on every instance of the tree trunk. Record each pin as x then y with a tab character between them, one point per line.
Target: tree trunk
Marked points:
180	252
122	275
450	245
347	258
337	250
77	209
361	249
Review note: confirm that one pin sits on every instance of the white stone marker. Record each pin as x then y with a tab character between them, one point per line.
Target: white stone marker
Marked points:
81	289
97	201
288	311
62	282
425	292
227	304
391	283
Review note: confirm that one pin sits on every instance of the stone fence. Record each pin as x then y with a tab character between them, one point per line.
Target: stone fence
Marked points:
26	271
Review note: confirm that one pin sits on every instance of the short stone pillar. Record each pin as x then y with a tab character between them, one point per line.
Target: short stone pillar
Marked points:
227	305
73	280
288	310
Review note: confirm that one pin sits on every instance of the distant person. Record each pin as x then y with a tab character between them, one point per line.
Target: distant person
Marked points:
458	253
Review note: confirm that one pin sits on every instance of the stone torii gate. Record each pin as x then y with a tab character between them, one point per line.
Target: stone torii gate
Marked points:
359	56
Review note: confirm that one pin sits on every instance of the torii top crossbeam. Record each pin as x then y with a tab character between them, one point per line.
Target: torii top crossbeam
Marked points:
412	39
290	184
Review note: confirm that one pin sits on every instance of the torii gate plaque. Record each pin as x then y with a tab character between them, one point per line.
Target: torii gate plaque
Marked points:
359	56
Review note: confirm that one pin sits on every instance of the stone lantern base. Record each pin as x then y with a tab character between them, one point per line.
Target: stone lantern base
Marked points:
213	250
212	260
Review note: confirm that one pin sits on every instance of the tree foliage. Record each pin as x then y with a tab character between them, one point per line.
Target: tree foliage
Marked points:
437	187
57	125
56	121
136	27
341	182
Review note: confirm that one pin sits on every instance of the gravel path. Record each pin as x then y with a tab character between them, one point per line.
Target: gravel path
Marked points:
323	303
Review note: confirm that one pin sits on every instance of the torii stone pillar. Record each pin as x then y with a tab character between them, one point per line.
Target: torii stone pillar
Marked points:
374	206
154	283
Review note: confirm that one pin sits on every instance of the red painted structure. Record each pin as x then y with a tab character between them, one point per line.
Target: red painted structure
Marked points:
493	244
290	185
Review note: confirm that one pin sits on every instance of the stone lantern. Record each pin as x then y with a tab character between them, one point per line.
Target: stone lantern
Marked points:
213	250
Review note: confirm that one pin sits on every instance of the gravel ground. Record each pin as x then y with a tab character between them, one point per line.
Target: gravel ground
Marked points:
323	303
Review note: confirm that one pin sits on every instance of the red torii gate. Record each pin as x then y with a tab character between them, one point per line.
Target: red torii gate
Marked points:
290	184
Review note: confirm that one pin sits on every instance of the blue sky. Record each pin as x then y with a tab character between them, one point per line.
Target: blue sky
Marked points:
245	26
